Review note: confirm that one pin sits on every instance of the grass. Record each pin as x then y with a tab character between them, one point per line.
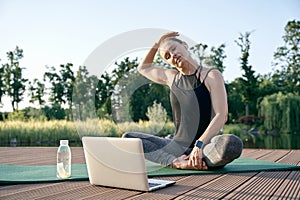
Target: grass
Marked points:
37	132
48	133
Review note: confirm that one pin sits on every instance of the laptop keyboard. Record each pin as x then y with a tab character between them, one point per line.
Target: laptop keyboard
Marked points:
153	184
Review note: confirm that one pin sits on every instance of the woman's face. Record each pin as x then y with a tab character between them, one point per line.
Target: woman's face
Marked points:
174	53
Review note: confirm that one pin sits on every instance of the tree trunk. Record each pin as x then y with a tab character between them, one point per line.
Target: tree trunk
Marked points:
247	109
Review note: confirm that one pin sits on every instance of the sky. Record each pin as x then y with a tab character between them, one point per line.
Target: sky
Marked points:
58	32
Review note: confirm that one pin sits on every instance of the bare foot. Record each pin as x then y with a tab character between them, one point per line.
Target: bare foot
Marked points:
182	163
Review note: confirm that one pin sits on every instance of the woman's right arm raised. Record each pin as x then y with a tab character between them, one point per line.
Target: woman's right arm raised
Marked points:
156	73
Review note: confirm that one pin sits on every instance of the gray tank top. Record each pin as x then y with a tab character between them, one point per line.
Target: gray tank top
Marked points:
191	106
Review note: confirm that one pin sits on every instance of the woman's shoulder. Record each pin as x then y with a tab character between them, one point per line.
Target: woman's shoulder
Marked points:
213	78
170	75
211	72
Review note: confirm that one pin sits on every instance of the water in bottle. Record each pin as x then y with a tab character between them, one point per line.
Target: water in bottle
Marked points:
64	160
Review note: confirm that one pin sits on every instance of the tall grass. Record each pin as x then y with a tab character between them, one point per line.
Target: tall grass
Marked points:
48	133
37	132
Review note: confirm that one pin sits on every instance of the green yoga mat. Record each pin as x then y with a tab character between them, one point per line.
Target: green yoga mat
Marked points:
14	174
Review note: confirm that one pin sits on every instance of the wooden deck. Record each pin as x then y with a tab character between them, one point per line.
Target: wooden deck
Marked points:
254	185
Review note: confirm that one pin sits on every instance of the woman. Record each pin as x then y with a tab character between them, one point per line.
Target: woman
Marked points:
199	104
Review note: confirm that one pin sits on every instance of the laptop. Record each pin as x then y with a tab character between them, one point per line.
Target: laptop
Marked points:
119	163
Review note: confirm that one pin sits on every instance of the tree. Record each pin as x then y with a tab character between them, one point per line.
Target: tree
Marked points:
287	60
216	58
235	104
249	81
266	87
61	90
83	94
103	92
156	113
62	83
68	78
54	112
2	82
200	51
281	112
144	97
57	89
14	82
123	82
37	92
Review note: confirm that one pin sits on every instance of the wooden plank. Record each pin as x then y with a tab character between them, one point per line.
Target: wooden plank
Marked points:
182	186
218	188
261	186
293	158
90	192
245	152
7	190
44	190
113	194
275	155
28	155
274	185
290	188
227	183
266	184
259	153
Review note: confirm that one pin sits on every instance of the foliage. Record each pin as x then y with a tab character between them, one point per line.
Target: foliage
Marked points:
155	128
36	133
287	60
83	96
112	85
281	112
247	119
156	113
62	83
216	58
16	116
144	97
249	82
34	114
213	59
101	96
234	128
37	92
2	83
54	112
12	81
103	93
235	104
96	127
266	86
200	51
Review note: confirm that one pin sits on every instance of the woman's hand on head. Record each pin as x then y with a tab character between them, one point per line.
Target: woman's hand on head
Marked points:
167	35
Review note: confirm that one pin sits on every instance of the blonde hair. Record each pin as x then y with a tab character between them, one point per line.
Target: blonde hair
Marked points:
172	39
169	39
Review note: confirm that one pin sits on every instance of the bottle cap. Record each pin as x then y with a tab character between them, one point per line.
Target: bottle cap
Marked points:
64	142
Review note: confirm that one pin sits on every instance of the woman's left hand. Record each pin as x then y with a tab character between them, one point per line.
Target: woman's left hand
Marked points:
195	159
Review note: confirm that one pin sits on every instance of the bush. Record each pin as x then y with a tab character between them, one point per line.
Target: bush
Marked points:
234	128
281	112
247	119
16	116
156	113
